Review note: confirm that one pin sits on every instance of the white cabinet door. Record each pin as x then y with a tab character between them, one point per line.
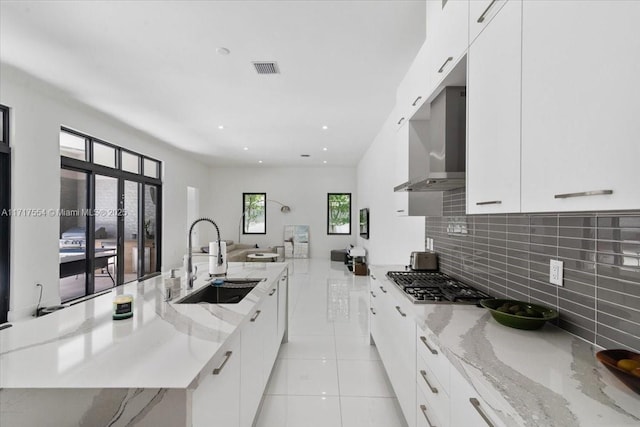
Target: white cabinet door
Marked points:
414	88
467	407
252	381
216	401
451	39
270	325
401	146
580	104
283	307
493	125
481	12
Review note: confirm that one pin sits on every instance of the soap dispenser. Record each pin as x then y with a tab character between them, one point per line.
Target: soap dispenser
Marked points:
174	283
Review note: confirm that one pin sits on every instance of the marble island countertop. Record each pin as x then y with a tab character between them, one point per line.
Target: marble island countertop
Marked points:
164	345
546	377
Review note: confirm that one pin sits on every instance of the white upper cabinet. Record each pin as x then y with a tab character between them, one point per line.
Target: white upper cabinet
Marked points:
481	12
415	87
493	125
451	37
580	105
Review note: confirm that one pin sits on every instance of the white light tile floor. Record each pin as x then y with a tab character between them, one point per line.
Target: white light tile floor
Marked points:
328	374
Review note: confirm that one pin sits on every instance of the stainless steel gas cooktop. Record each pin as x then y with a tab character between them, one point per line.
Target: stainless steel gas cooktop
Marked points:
427	287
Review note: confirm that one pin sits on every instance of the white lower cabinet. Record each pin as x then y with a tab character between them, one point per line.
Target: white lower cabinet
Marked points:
394	334
432	397
468	409
216	400
252	380
270	340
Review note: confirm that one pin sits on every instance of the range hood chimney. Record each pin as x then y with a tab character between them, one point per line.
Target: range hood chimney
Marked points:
446	145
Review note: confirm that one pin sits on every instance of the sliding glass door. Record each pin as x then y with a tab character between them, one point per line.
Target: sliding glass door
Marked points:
110	202
5	217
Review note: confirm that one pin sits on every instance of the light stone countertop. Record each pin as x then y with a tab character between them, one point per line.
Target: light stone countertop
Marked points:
546	377
164	345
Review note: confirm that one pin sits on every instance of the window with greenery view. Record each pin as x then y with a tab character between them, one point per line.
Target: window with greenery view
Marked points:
254	213
339	213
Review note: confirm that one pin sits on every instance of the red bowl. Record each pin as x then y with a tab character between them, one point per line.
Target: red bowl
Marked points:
610	358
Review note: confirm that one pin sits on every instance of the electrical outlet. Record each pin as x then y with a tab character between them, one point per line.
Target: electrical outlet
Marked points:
555	272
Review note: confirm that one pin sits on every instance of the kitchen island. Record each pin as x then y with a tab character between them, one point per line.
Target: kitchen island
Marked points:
454	365
78	366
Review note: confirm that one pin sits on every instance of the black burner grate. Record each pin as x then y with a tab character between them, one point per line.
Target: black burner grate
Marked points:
434	286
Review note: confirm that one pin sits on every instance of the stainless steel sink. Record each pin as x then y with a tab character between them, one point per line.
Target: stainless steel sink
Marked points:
221	291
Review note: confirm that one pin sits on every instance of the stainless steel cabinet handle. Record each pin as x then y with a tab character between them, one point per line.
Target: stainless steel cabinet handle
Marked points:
476	404
373	277
400	210
426	380
401	120
383	289
372	311
423	408
583	194
491	202
273	291
484	14
227	356
445	63
416	101
255	316
400	311
424	341
372	294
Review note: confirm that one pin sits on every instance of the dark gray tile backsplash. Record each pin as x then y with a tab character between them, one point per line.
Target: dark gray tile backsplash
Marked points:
508	256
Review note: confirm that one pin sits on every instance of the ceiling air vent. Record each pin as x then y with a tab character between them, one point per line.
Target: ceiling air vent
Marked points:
266	67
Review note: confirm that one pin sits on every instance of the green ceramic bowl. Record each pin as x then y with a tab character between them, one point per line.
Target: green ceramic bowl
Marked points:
531	316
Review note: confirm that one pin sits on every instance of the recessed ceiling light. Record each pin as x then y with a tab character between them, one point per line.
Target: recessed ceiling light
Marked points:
324	161
325	127
246	148
259	161
220	127
325	149
223	51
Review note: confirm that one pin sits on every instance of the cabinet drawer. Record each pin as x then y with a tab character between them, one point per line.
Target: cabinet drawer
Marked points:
481	12
425	414
432	355
437	397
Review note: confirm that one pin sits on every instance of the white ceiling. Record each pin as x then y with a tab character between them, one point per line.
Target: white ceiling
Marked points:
153	65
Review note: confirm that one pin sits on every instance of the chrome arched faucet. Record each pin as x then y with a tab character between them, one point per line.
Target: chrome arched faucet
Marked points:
190	276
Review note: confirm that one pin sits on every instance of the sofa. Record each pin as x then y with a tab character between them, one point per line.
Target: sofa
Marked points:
237	252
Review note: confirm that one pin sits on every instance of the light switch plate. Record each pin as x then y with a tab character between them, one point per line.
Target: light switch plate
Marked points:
555	272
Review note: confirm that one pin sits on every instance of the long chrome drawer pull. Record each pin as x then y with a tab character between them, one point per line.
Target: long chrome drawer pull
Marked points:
383	289
434	390
424	341
584	194
491	202
445	64
400	210
227	356
255	316
273	291
416	101
400	311
401	120
423	408
372	294
373	277
484	14
372	311
476	404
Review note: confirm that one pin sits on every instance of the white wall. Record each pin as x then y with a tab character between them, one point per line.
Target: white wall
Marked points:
303	189
37	112
391	238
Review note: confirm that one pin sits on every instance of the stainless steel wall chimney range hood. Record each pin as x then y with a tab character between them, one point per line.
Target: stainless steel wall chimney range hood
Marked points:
446	144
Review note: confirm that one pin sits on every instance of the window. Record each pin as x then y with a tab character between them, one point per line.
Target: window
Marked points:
110	215
5	217
339	213
254	213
